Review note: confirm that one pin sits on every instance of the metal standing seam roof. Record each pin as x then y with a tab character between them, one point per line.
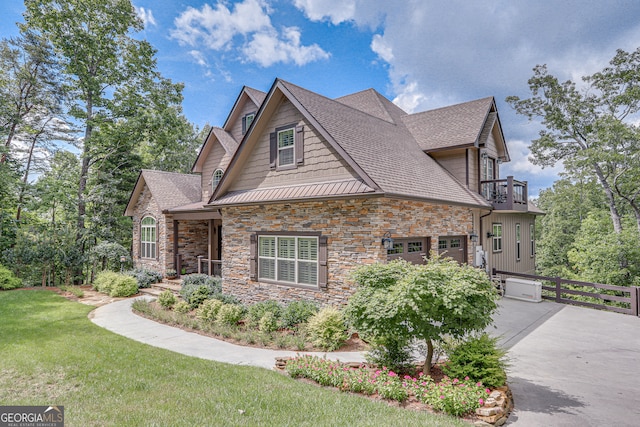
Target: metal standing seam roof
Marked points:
301	191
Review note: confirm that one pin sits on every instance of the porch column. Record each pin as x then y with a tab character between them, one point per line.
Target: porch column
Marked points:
210	248
176	267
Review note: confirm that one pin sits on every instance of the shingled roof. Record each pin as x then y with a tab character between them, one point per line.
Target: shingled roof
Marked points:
386	152
168	189
458	125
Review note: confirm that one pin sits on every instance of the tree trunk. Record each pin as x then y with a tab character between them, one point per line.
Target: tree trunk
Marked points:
426	368
7	144
613	208
27	169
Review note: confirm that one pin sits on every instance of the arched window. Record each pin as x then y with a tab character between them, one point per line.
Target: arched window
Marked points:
215	180
148	237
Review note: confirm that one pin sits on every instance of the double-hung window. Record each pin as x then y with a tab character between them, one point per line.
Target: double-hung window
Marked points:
148	237
288	259
286	147
246	122
215	179
497	237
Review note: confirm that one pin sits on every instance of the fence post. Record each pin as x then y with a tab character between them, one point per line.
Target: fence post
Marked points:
634	294
558	290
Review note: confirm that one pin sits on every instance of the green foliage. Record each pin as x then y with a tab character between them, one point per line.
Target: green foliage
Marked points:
599	255
215	283
106	255
479	358
392	352
230	314
259	309
399	302
8	280
268	322
209	309
167	299
297	312
181	307
115	284
451	396
74	290
327	329
145	277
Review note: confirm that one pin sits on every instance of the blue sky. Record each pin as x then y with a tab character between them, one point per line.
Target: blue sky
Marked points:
421	54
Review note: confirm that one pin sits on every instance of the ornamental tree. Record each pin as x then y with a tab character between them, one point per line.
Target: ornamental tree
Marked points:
399	302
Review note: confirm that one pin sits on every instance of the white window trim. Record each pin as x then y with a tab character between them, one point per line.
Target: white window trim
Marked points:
214	183
496	239
247	124
291	147
296	260
152	244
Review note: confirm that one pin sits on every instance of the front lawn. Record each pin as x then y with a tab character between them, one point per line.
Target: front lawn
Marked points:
51	353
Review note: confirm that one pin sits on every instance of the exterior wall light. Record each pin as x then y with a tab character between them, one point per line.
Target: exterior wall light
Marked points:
489	234
473	236
387	241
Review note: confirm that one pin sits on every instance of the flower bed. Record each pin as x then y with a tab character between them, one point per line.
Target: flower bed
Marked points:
451	396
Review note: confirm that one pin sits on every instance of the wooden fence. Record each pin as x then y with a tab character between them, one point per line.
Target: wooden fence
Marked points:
628	297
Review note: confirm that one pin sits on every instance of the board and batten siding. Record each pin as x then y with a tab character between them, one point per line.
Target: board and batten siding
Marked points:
216	159
506	260
321	162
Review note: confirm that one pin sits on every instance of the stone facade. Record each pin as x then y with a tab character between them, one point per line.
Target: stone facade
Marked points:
192	239
354	228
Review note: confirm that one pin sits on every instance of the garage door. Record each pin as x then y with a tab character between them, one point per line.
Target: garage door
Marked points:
454	247
412	249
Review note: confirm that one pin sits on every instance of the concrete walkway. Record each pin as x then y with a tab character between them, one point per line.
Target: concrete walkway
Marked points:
569	366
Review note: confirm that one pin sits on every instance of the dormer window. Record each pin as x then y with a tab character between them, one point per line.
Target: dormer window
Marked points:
215	179
246	122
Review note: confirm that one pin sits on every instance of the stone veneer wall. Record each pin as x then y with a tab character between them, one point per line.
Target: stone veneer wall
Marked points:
192	241
354	229
147	206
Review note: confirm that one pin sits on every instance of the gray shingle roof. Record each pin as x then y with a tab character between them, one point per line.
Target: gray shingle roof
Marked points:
172	189
453	126
387	152
257	95
371	102
229	144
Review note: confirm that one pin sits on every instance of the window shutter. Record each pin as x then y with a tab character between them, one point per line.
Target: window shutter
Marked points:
273	150
253	257
299	144
157	229
244	124
140	239
323	270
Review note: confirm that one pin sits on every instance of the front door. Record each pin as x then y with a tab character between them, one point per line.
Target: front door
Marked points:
454	247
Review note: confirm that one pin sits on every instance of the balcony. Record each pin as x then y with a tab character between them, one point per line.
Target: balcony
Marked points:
505	194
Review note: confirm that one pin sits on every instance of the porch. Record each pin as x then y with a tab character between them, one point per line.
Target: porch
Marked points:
506	194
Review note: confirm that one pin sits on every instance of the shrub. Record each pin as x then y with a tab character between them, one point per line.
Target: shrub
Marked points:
297	312
268	323
396	354
230	314
181	307
145	277
226	298
480	359
107	255
327	329
215	283
259	309
8	280
115	284
209	310
167	299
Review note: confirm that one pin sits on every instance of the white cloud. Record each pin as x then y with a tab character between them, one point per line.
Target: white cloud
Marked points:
383	50
336	11
247	28
268	48
146	15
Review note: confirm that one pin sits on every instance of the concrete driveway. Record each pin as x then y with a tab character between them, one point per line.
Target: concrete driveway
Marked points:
571	366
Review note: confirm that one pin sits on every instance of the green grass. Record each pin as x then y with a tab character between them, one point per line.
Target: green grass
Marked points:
51	353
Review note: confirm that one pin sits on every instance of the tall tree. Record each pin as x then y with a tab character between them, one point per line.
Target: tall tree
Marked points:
108	75
578	122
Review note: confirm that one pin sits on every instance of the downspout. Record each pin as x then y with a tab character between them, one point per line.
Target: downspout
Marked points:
482	231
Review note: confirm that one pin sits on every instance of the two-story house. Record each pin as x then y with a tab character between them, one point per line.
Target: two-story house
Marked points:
296	190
